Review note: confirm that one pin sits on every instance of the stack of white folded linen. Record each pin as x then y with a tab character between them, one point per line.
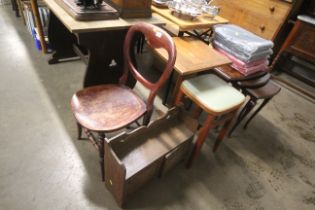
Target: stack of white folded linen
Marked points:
249	53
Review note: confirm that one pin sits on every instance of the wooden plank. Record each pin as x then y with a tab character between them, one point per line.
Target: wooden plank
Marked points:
194	56
76	26
39	25
201	22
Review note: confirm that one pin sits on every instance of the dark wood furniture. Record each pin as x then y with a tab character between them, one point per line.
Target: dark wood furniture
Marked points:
218	99
300	43
133	159
15	7
257	89
132	8
103	40
107	108
193	57
257	86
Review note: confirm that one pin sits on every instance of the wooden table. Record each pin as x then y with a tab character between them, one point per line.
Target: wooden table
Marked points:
185	26
193	56
103	40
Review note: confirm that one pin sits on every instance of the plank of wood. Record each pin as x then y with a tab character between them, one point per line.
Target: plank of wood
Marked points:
200	22
194	56
76	26
39	25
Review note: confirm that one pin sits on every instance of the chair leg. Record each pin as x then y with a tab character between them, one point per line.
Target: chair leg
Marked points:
203	132
223	130
179	97
247	108
147	118
167	89
196	112
101	154
255	113
79	127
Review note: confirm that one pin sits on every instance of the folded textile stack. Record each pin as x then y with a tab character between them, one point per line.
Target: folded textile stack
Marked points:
248	52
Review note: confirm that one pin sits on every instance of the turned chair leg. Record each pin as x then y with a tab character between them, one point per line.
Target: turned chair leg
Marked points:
79	131
247	108
203	132
101	137
179	97
255	113
196	112
223	131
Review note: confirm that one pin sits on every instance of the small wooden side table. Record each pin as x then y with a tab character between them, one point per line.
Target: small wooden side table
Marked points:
193	56
203	22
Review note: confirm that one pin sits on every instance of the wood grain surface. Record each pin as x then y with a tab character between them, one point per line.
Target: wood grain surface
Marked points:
201	22
75	26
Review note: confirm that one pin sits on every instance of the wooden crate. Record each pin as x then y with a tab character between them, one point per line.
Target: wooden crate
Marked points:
132	8
133	159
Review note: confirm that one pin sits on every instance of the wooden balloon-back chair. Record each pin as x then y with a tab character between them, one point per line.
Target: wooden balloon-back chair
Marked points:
110	107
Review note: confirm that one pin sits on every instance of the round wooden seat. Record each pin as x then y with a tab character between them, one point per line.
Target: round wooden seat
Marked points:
101	108
213	94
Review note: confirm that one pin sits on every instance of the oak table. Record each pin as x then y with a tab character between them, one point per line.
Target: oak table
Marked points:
193	56
202	22
103	40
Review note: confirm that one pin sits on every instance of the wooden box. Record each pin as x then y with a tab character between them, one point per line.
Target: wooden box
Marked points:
133	159
132	8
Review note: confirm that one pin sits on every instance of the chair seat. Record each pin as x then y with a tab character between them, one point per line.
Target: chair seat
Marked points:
267	91
107	107
255	83
213	93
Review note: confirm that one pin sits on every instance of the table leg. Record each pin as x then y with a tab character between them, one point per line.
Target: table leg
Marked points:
61	40
168	88
105	52
178	83
203	132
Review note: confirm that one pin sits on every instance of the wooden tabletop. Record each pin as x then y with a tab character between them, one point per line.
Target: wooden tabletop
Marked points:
75	26
194	56
201	22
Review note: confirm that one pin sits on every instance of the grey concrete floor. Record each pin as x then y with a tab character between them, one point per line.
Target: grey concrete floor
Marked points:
42	166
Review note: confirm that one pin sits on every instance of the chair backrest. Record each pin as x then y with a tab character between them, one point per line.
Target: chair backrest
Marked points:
156	38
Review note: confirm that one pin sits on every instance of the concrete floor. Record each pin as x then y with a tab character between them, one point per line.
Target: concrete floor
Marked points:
42	166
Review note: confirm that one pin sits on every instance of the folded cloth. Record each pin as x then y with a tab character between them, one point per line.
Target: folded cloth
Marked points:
251	70
241	39
239	63
242	57
239	49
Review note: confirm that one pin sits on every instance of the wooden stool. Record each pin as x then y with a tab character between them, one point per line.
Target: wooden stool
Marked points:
265	92
215	97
